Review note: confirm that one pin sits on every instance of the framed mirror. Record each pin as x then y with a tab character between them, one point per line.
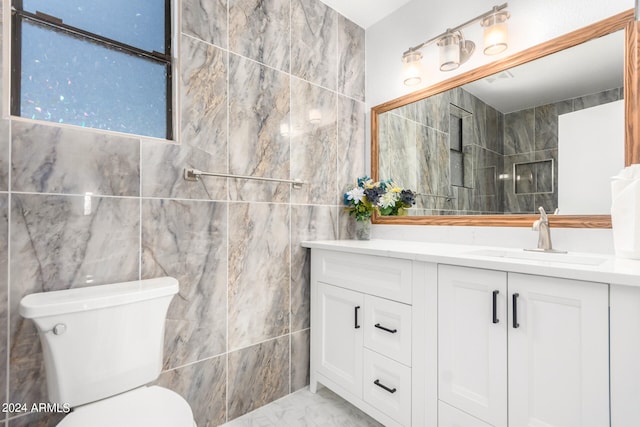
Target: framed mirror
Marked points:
487	147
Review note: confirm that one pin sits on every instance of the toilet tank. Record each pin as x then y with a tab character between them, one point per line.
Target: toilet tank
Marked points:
99	341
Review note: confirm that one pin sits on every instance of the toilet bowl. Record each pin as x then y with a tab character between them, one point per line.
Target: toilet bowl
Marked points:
102	345
146	406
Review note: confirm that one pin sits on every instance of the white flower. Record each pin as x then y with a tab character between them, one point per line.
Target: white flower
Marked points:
388	199
356	195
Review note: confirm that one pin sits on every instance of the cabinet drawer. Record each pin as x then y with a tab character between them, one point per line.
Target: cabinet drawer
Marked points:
387	386
448	416
387	328
385	277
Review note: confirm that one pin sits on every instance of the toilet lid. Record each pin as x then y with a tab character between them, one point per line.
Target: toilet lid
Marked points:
145	406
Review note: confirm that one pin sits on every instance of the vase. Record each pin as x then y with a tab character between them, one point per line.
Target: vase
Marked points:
363	229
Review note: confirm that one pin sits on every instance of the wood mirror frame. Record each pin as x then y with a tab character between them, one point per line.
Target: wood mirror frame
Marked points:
623	21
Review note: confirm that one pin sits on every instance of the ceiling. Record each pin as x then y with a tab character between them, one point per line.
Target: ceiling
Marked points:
365	12
588	68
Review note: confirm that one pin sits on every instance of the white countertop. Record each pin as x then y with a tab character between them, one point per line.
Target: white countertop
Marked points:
574	265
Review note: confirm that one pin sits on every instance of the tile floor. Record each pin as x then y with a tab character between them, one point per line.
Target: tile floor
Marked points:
302	409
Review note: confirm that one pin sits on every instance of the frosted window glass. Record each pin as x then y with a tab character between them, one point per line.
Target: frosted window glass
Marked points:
139	23
71	80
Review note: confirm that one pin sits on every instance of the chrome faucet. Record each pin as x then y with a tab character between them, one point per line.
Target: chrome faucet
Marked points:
542	226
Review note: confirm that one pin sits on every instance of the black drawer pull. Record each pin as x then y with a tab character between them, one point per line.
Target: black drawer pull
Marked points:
515	310
495	308
355	315
391	331
390	390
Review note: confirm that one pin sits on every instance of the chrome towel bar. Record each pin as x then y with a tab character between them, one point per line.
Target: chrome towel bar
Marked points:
195	174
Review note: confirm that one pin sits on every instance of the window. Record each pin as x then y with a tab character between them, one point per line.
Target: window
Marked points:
94	63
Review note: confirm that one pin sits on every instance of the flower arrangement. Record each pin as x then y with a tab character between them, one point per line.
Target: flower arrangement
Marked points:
385	197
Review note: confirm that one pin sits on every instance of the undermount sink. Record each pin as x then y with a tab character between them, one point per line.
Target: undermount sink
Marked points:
556	257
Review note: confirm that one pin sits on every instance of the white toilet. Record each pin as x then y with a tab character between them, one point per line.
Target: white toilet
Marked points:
101	345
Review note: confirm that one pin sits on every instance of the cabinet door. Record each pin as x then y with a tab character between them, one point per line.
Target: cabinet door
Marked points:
340	333
472	342
558	353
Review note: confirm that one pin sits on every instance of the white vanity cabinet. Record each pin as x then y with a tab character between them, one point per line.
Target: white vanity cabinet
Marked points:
521	350
361	318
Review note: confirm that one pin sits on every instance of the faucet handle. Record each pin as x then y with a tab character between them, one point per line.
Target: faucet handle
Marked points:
543	214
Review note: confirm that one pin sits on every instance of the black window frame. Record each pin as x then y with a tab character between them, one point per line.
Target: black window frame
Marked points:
18	15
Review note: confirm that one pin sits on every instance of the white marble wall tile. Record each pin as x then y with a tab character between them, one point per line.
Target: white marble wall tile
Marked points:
351	142
314	42
5	143
351	45
300	359
192	248
258	130
203	95
314	143
163	172
50	159
259	272
203	385
259	30
206	20
60	242
4	264
307	223
258	375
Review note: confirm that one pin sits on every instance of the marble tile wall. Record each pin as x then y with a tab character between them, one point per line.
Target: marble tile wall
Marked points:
271	88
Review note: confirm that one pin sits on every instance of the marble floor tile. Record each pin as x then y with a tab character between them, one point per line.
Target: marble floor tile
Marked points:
304	408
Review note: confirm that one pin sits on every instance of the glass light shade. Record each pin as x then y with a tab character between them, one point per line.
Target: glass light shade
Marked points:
495	33
449	52
412	68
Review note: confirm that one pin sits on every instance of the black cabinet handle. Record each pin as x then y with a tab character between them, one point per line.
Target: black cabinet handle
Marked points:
515	310
391	331
355	315
390	390
495	307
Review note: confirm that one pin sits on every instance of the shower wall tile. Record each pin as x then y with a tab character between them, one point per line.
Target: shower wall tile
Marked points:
259	272
259	30
48	159
203	95
191	248
351	142
5	144
314	42
4	309
596	99
401	152
519	132
258	114
60	242
428	173
206	20
203	385
313	143
307	223
546	124
163	172
258	375
433	112
300	359
351	45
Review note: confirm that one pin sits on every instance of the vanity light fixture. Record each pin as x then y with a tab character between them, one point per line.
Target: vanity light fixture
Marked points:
412	68
455	49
